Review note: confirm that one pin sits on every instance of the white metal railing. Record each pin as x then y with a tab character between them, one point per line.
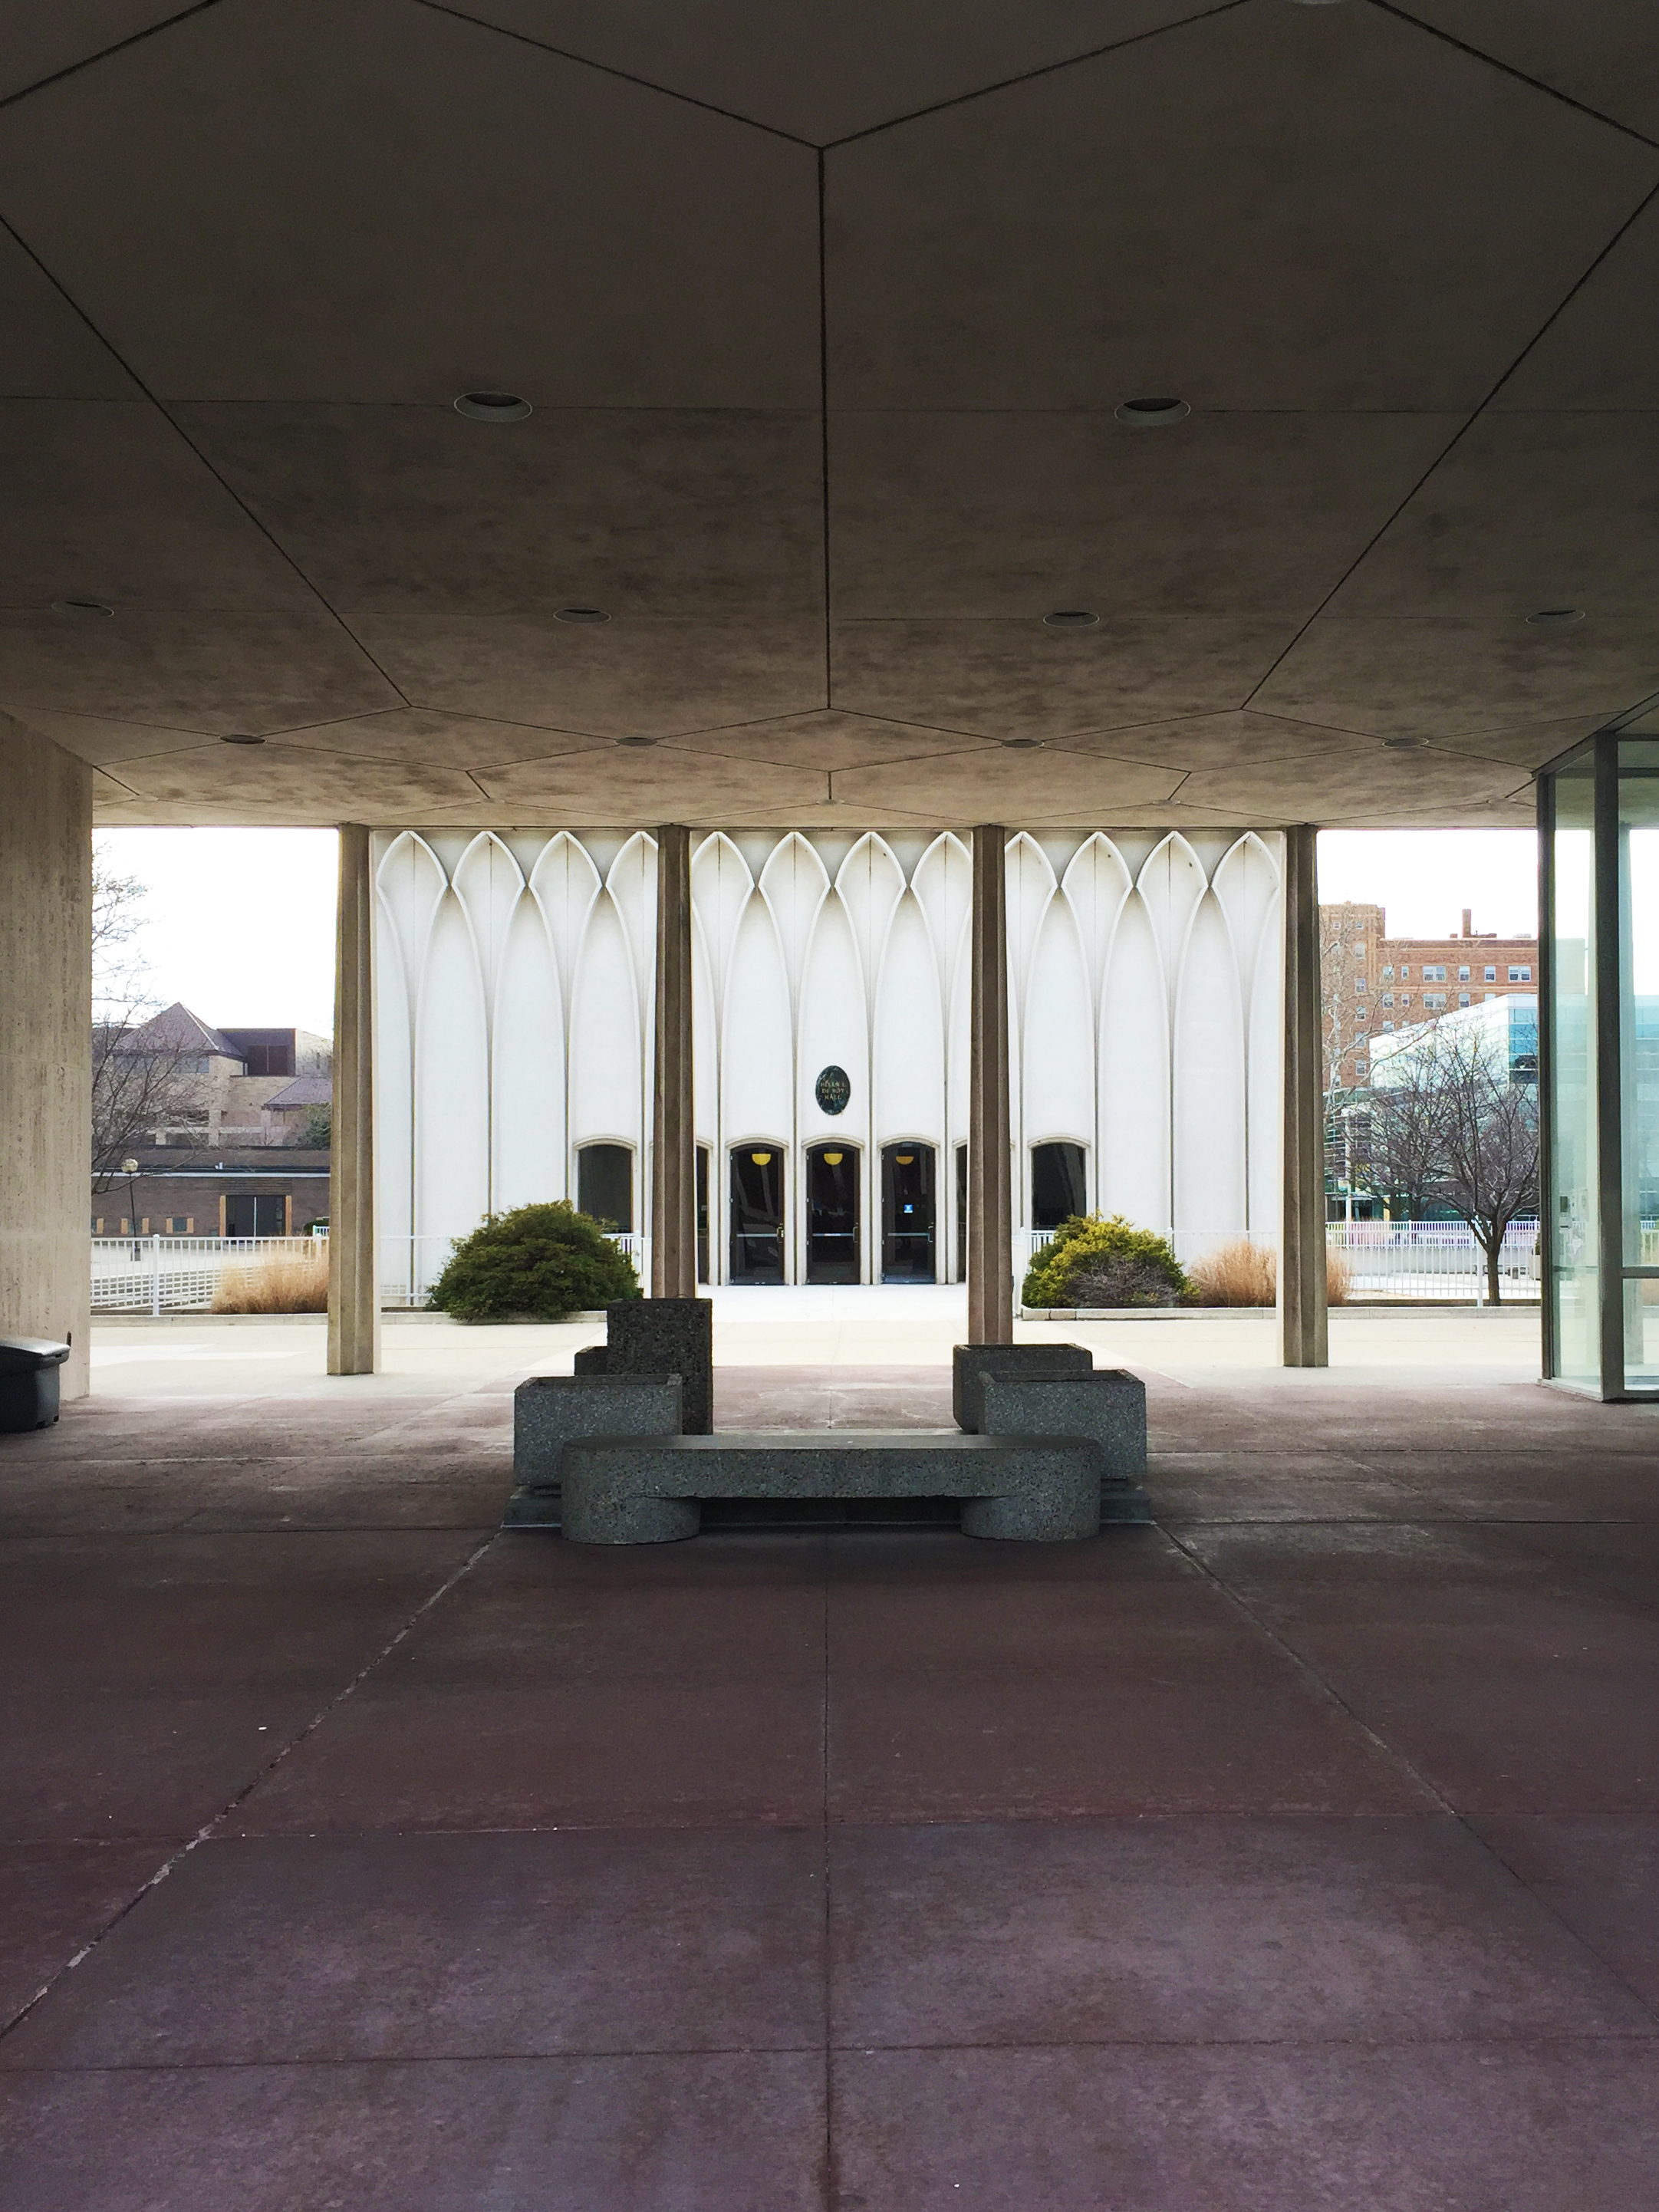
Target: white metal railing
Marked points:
1433	1260
1386	1258
410	1265
178	1274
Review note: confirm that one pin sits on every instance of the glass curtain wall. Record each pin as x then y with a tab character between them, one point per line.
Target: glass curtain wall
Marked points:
1599	1040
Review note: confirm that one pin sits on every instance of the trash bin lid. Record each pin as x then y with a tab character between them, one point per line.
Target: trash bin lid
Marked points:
26	1355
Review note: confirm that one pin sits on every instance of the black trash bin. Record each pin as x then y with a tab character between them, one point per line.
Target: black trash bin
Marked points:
28	1382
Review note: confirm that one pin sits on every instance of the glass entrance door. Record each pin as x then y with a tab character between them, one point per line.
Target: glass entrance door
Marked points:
757	1213
906	1213
832	1214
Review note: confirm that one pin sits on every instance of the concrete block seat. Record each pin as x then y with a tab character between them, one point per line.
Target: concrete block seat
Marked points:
631	1490
660	1336
549	1410
1041	1389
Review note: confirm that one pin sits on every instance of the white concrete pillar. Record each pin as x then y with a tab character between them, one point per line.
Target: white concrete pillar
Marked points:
673	1135
990	1193
354	1274
1303	1332
45	1046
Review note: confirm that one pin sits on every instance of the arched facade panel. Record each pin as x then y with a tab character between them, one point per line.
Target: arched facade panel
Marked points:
515	996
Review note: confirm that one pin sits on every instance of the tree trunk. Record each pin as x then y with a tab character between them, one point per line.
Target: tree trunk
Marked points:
1494	1280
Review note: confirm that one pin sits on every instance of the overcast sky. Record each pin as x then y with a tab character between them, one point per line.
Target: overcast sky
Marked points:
239	923
1425	878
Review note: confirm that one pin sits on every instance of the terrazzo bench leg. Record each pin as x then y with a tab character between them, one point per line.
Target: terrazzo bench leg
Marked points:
1028	1489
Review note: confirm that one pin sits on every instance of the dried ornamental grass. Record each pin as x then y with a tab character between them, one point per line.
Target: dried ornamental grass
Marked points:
277	1282
1246	1274
1236	1275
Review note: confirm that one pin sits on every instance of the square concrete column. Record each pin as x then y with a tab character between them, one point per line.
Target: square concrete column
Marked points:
990	1192
354	1273
1302	1338
673	1127
46	1047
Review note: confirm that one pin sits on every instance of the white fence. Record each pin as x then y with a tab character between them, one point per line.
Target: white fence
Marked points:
1387	1259
1433	1260
177	1274
410	1265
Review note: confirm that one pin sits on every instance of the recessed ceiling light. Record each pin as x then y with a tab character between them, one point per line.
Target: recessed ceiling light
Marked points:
1555	617
86	607
1151	414
492	407
1402	744
1070	618
1019	745
636	741
241	738
581	615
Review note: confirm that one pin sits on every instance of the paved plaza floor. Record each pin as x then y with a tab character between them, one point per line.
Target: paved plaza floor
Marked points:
1299	1852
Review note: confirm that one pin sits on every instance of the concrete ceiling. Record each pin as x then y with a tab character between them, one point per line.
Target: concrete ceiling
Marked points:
824	315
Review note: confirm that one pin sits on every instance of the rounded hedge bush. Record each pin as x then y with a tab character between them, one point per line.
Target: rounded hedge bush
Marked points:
1105	1261
536	1263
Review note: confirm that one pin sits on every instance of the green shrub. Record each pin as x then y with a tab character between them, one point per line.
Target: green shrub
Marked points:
536	1263
1095	1260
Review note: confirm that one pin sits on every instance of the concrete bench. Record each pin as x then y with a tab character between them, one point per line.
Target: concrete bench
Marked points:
629	1490
549	1410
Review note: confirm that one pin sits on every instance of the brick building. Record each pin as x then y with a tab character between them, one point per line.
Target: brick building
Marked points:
237	1155
1372	983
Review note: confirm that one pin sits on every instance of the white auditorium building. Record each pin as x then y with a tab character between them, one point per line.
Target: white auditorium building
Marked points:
513	992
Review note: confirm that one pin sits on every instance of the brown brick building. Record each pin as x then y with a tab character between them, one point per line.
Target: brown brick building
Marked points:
1372	983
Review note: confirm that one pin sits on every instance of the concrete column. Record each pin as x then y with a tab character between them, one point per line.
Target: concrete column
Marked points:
673	1127
45	1046
990	1193
354	1274
1302	1339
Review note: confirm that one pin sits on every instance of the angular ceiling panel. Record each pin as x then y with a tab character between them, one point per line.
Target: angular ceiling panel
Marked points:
223	672
1602	349
371	200
821	73
36	42
620	678
663	513
47	349
458	741
1434	678
1010	786
654	785
277	782
1232	744
1275	206
829	741
988	515
1334	788
1528	512
1605	52
1019	679
105	501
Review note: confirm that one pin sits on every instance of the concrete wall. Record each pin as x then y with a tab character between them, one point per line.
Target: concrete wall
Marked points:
46	1043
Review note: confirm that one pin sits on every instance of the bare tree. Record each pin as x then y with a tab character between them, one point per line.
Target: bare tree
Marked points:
1452	1124
1405	1151
1488	1142
138	1081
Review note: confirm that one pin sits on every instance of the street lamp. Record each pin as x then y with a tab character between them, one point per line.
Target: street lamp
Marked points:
128	1169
